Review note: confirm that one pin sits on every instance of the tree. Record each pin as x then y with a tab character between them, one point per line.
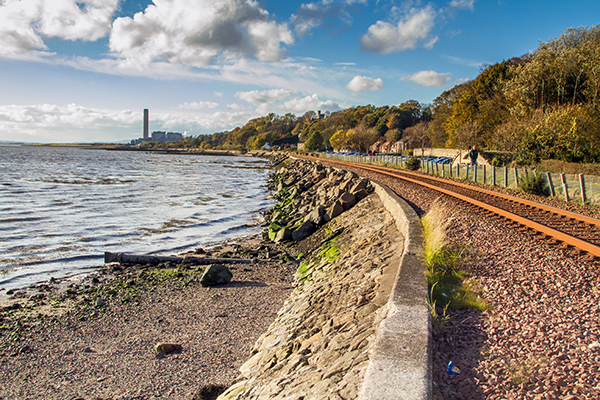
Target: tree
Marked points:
417	136
361	138
338	140
315	142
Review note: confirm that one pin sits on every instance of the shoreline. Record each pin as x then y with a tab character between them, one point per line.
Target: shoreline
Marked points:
114	317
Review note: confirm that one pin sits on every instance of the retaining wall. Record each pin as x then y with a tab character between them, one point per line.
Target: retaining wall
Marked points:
358	327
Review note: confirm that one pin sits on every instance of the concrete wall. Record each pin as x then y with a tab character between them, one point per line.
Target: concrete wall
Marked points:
400	362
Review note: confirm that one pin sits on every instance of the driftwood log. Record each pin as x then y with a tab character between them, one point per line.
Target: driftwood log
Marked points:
145	259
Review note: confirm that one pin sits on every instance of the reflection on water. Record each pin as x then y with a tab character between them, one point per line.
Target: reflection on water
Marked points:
61	208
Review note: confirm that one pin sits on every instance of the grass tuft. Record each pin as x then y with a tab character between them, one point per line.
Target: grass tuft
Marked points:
449	284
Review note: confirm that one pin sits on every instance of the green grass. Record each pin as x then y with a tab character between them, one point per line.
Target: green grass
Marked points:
449	284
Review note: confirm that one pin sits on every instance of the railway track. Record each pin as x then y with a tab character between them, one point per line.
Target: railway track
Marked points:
572	231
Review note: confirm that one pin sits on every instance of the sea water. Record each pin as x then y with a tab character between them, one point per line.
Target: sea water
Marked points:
61	208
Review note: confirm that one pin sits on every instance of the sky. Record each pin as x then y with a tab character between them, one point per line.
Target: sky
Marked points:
84	71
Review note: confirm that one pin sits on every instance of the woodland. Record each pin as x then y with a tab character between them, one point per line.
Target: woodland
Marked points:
542	105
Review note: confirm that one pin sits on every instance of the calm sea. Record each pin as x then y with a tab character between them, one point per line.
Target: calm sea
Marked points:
61	208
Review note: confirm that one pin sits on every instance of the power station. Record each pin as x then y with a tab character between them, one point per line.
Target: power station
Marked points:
157	136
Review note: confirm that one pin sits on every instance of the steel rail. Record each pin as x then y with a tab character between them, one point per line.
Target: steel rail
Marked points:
567	239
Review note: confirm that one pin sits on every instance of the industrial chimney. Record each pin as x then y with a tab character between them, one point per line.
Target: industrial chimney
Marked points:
145	123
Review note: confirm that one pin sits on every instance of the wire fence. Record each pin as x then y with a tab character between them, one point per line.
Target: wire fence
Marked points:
568	187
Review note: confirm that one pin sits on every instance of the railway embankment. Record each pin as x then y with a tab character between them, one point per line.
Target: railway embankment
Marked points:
539	339
357	324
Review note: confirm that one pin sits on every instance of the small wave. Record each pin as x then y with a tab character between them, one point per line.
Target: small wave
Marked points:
85	181
63	260
25	219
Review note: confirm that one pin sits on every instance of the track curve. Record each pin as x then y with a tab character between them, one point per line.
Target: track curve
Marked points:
554	225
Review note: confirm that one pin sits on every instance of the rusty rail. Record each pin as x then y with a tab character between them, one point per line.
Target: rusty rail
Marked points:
577	222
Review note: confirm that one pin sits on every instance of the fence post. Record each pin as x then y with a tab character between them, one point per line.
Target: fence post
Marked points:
484	173
582	187
505	177
475	173
493	175
458	170
450	170
437	171
550	184
563	180
516	177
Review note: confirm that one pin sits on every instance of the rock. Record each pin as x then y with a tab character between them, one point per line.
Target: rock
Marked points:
305	230
283	235
315	216
361	184
274	227
361	194
350	175
25	349
336	209
100	303
88	350
167	348
347	200
216	274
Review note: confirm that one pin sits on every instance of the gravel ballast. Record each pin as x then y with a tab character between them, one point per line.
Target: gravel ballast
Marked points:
540	339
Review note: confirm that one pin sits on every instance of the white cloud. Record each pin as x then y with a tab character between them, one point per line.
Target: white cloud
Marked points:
462	4
77	123
301	105
413	31
73	122
234	106
24	24
364	84
197	105
265	96
218	94
429	78
194	32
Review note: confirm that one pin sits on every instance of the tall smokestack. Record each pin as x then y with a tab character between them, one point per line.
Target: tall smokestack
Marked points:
145	123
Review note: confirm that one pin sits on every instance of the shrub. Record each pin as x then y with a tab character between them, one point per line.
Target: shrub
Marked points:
413	163
534	184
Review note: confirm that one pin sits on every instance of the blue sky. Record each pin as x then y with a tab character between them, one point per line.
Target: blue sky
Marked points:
83	71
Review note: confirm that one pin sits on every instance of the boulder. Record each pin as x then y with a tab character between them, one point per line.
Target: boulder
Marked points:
361	184
216	274
347	200
336	209
305	230
315	216
283	235
274	227
361	194
349	176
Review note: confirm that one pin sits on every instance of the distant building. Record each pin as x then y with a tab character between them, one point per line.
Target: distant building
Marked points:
174	136
159	137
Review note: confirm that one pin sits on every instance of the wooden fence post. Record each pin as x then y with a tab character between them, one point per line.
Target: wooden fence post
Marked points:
484	173
516	177
563	180
582	187
505	177
493	175
475	173
550	184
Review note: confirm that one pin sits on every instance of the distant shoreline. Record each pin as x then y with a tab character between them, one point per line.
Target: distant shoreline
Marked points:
152	150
